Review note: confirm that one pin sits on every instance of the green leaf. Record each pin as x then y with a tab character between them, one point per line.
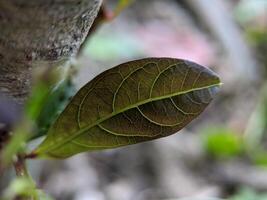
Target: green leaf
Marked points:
21	187
248	194
134	102
222	143
55	102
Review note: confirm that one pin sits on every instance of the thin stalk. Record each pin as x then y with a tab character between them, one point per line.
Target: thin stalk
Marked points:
22	171
20	167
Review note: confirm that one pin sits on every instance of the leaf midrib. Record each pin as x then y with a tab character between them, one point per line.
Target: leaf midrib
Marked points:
81	131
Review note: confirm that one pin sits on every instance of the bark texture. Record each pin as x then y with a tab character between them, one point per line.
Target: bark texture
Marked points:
33	33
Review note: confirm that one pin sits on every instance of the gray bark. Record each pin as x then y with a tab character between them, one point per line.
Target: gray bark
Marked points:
36	32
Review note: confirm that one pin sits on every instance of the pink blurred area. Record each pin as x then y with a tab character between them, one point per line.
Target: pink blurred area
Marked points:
160	40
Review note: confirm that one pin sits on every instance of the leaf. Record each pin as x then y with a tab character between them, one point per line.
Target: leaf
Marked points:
222	143
55	102
122	4
134	102
22	188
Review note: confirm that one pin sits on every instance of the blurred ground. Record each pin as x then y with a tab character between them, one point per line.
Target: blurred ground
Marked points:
222	154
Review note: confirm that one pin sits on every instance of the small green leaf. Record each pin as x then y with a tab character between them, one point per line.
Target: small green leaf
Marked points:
54	103
248	194
134	102
21	188
222	143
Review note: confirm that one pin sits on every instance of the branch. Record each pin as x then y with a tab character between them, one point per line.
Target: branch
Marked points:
20	167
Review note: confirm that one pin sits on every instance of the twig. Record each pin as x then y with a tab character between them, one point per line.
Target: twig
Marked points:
20	167
22	171
31	155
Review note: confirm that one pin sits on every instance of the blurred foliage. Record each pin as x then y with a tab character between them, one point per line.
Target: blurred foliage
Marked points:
48	97
41	108
50	93
258	37
221	142
255	132
55	102
256	124
248	10
21	188
249	194
122	4
24	129
43	196
17	143
260	158
37	99
252	16
105	47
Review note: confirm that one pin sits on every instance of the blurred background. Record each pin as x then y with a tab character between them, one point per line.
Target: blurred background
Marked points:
220	155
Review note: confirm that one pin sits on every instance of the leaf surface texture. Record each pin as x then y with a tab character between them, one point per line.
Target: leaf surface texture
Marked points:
133	102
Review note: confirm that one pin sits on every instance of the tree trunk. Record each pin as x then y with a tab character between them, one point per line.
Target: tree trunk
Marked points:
36	32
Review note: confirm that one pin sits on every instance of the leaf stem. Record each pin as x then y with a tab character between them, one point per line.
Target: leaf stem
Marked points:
22	171
31	155
20	166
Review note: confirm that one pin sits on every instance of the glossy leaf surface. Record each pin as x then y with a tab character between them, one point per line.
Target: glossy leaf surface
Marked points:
134	102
